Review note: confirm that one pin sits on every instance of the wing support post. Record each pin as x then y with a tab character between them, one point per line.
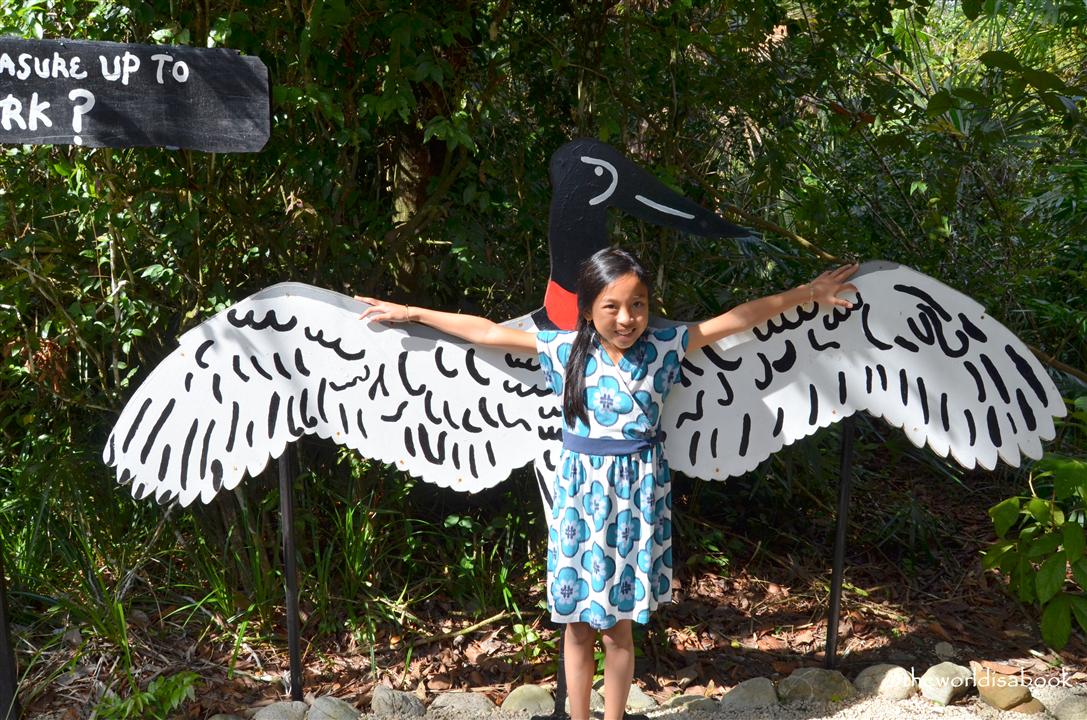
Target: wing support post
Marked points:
9	703
831	655
287	475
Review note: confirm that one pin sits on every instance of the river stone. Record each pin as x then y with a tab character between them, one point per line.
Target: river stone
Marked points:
221	716
753	693
638	700
386	701
944	650
812	683
1071	708
462	703
889	681
533	698
945	683
295	710
1030	707
1000	691
330	708
596	701
696	703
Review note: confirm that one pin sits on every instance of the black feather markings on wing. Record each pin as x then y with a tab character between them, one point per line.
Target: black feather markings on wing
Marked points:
526	364
510	386
270	320
278	362
352	382
135	424
238	369
784	324
868	330
333	345
402	368
715	358
507	423
819	347
150	441
259	369
549	433
395	416
379	381
199	357
695	415
470	363
922	295
486	413
449	373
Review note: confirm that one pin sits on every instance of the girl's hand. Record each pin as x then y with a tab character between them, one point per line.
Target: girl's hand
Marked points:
384	311
825	288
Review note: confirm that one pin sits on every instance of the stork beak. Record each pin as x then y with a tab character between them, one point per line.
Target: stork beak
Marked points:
646	198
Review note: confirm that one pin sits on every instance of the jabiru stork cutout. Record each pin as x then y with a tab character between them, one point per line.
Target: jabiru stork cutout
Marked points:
294	360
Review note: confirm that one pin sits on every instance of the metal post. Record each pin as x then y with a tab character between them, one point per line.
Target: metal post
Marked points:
831	659
9	702
560	678
286	523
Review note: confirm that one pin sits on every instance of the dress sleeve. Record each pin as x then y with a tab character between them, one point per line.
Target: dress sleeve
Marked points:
547	344
671	345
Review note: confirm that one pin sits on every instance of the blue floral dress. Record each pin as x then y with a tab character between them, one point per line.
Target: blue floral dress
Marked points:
609	550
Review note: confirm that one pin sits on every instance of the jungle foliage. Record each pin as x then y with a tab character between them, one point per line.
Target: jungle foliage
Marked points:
408	158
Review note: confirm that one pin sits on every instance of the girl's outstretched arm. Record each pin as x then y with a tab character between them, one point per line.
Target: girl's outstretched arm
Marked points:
474	329
823	290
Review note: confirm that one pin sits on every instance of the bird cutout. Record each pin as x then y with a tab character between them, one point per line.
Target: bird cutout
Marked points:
294	360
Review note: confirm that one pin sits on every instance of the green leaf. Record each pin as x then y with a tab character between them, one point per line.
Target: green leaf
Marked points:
1043	80
1050	578
1079	572
939	102
1039	509
995	553
972	94
1057	622
1069	474
1079	609
971	9
1074	540
1045	545
1000	59
1004	515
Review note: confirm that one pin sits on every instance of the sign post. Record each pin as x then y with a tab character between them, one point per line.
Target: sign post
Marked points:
103	94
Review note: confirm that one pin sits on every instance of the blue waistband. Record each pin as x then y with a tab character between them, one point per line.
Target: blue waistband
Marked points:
608	446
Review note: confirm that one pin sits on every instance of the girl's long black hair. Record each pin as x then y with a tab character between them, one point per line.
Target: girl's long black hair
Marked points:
602	269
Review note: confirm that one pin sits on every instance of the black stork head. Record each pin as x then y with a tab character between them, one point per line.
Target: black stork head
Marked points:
588	177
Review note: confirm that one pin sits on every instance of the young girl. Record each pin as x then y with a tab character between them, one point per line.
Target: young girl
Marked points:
609	558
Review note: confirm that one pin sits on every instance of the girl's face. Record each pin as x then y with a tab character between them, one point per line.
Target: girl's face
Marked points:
620	312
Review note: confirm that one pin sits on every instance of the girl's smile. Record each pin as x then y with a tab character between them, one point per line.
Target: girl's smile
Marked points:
620	314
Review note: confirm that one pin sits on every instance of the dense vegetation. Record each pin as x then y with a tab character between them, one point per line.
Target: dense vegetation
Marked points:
408	158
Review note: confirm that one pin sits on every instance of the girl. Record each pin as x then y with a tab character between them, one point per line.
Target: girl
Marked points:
609	558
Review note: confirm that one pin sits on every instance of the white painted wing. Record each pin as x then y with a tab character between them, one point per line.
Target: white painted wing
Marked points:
295	360
923	356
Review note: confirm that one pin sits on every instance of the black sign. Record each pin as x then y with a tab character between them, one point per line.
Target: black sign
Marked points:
101	94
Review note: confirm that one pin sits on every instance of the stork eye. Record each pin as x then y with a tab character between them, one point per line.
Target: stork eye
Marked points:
601	166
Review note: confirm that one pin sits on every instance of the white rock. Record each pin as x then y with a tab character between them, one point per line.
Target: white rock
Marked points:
221	716
596	701
944	650
945	683
812	683
889	681
1071	708
638	700
294	710
692	703
533	698
330	708
462	703
386	701
752	693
